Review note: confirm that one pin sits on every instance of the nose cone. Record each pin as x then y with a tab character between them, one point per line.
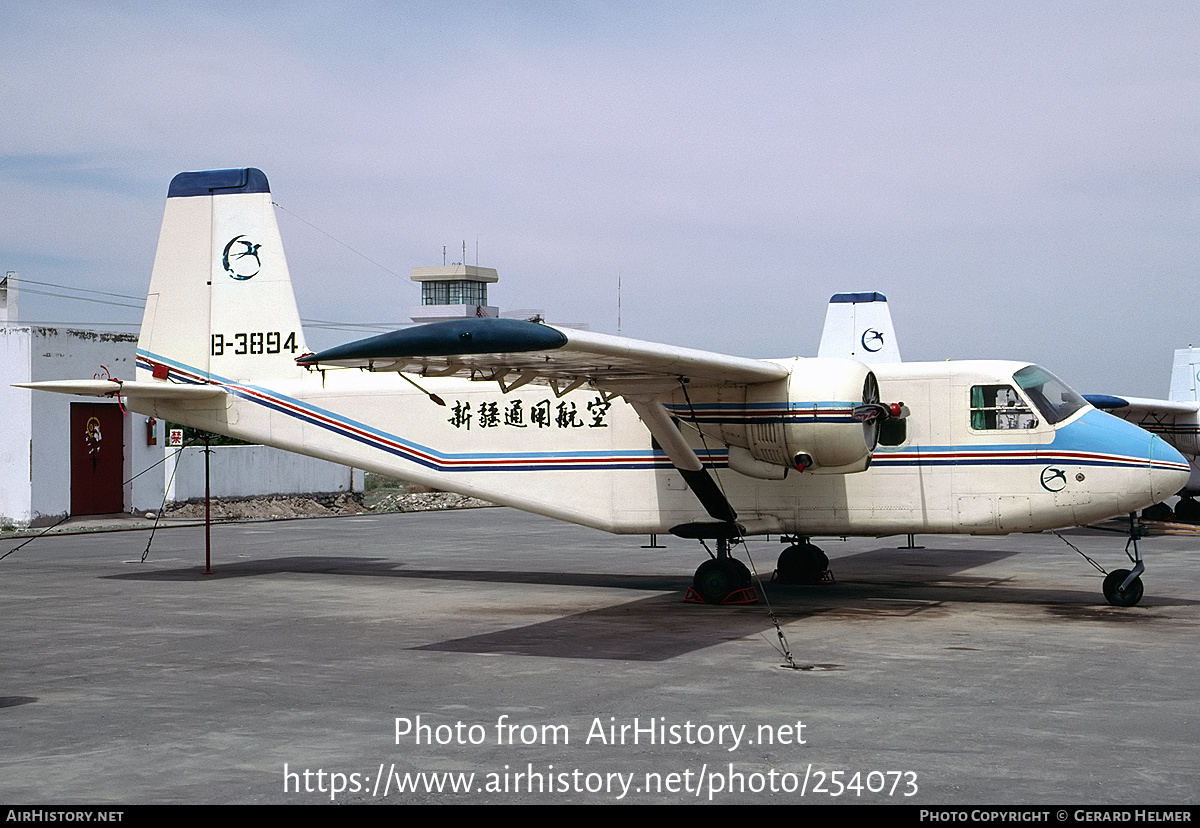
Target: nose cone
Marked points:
1169	470
1130	467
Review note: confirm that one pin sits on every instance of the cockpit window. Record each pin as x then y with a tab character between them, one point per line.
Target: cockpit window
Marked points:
1053	398
999	407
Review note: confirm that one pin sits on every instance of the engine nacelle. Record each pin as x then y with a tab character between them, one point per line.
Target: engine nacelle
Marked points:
805	422
817	430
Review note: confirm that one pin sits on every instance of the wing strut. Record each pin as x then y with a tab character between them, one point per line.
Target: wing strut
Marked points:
656	418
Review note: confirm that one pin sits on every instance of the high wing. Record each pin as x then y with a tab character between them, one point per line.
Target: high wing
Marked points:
514	352
646	374
1136	409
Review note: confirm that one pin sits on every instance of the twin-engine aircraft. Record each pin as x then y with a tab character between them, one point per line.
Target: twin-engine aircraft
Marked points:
618	434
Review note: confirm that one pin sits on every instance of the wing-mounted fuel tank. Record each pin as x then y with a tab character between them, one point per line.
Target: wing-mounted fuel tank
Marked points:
822	419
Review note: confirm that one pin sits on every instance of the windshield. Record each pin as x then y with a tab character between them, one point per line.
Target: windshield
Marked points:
1053	398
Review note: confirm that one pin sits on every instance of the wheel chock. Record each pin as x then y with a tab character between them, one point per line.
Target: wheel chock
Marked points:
744	595
826	577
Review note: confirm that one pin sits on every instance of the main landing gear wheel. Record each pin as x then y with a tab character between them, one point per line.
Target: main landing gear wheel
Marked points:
802	563
1187	510
1127	597
1159	511
715	580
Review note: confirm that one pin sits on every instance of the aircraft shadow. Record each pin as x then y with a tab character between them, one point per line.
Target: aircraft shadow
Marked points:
879	584
662	627
15	701
387	568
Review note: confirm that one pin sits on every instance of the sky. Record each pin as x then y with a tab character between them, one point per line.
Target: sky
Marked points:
1021	179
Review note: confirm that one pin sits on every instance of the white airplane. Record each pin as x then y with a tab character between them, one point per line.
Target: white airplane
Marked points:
1176	420
618	434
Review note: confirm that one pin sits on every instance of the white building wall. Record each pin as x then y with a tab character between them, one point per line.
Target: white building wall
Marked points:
35	439
248	471
16	435
60	354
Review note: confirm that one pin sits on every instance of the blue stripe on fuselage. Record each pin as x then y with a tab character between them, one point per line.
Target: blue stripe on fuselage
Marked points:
1093	439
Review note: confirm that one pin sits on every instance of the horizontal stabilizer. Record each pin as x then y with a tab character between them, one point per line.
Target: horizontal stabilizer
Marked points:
112	388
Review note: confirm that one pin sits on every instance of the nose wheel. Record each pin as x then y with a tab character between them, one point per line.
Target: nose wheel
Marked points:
1123	587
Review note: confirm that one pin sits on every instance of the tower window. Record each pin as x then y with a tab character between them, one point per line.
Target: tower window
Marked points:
454	292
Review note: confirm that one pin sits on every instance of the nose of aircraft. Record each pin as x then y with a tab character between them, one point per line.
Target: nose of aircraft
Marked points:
1147	469
1169	471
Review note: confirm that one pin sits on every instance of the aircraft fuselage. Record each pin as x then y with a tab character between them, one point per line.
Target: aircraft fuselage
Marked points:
960	466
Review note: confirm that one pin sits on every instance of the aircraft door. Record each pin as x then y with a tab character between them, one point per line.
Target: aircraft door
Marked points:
996	437
97	459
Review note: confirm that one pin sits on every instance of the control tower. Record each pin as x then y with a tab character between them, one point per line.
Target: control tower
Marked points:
453	291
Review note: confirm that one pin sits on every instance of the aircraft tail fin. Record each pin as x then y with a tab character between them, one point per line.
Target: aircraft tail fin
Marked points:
1184	370
220	304
859	326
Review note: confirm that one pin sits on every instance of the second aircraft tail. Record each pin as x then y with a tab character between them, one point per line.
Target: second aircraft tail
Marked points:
1184	371
859	326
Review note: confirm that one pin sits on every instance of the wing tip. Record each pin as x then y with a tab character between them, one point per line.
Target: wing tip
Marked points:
450	338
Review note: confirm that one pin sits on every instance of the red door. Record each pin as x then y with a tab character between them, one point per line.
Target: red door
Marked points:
97	459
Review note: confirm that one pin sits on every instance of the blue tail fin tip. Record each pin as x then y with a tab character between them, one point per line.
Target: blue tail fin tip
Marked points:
872	296
216	182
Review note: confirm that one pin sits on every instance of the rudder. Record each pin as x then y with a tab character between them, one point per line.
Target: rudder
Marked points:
220	304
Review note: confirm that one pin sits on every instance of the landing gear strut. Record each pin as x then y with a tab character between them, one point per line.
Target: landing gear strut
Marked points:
1123	587
722	580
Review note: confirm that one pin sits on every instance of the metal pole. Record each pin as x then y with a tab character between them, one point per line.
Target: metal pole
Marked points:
207	511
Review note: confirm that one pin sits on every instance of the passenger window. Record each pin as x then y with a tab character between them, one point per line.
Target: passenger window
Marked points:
996	407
